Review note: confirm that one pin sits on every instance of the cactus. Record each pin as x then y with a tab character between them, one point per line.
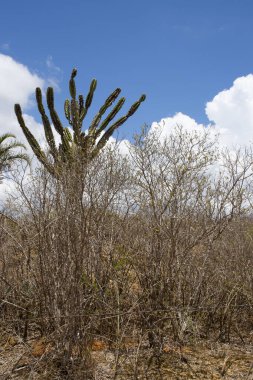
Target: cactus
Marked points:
87	145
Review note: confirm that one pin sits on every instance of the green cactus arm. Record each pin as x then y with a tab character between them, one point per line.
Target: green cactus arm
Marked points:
66	142
90	95
72	84
109	101
76	124
54	116
80	106
32	140
72	106
46	123
101	143
110	117
89	99
62	153
67	111
66	147
68	135
136	105
79	111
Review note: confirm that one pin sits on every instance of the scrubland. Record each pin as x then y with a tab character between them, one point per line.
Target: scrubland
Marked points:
134	266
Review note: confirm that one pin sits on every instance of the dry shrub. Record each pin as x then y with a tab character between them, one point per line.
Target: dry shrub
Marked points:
134	249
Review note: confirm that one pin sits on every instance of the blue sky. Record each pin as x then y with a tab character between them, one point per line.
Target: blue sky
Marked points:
181	53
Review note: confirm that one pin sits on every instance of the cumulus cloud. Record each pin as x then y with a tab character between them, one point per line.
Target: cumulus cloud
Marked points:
17	84
167	125
230	114
231	111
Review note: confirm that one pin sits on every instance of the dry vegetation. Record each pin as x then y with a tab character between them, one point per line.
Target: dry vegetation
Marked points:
134	267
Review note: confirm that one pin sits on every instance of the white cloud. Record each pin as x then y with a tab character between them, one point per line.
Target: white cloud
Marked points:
17	85
166	126
123	146
230	114
231	111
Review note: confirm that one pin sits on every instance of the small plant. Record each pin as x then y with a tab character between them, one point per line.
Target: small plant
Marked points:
7	152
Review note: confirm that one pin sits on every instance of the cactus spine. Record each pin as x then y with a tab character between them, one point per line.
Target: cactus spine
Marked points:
75	109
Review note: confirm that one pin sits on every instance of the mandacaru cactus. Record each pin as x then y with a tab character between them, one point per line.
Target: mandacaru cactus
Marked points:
89	144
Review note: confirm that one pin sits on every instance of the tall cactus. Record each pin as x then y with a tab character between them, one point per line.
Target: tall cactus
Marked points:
89	144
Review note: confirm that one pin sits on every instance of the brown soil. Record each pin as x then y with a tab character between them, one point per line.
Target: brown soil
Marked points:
19	360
